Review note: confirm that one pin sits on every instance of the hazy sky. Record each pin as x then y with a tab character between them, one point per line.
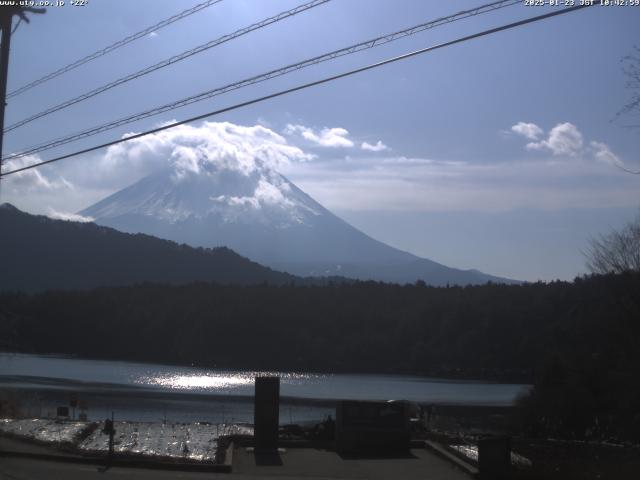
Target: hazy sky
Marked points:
497	154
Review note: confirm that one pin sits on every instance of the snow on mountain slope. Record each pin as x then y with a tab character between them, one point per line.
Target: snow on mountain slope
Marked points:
267	218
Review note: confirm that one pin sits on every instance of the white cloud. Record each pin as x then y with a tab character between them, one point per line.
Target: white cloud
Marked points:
212	148
603	153
267	192
153	35
402	160
430	185
71	217
327	137
32	180
201	149
375	182
378	147
563	139
528	130
245	201
209	147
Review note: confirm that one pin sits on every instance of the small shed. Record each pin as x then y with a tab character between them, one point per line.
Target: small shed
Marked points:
372	426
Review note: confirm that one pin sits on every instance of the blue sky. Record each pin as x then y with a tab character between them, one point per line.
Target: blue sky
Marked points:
496	154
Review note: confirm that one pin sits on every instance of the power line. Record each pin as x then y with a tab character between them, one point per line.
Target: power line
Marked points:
114	46
170	61
371	43
305	86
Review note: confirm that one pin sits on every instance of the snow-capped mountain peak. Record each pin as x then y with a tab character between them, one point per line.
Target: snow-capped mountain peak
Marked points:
218	185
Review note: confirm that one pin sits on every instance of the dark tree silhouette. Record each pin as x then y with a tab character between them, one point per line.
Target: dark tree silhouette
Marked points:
578	342
617	251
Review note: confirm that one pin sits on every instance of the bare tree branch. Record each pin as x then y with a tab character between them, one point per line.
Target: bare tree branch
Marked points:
616	252
631	70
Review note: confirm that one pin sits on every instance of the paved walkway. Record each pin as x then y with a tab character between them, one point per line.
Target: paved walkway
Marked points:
14	445
27	469
306	463
312	464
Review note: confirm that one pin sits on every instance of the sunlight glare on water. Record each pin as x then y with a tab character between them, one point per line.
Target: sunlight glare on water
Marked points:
214	381
201	381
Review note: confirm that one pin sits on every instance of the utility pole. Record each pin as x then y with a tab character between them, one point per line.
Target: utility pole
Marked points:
6	19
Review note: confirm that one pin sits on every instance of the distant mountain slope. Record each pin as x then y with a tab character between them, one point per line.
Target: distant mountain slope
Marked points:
38	253
265	217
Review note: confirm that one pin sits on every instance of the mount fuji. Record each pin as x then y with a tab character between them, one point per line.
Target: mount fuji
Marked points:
262	215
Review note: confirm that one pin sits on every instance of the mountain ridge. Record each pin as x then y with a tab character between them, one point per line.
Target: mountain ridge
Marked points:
40	253
265	217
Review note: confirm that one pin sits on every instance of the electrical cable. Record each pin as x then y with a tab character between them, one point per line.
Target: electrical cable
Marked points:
305	86
168	61
368	44
113	46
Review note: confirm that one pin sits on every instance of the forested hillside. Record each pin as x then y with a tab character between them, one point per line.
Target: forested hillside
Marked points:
579	342
39	253
491	330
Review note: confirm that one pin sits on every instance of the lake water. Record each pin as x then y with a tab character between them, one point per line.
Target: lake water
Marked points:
142	391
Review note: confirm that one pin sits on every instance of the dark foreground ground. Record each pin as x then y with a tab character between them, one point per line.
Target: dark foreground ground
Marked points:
311	463
550	460
578	461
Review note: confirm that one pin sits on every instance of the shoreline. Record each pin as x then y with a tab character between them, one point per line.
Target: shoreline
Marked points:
154	392
501	376
148	405
52	387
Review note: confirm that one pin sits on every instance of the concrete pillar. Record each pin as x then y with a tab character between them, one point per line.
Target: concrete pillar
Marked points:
494	457
266	413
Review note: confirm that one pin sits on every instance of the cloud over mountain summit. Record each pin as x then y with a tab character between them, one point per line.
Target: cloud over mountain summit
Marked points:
212	146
